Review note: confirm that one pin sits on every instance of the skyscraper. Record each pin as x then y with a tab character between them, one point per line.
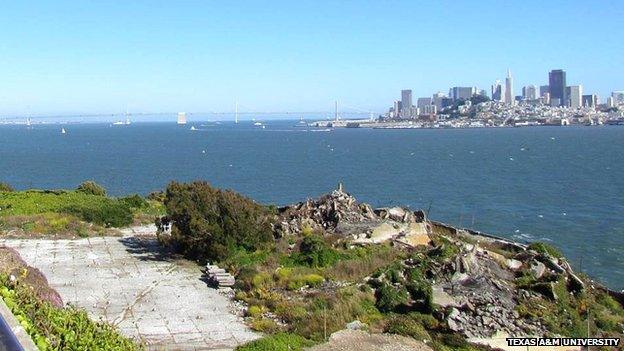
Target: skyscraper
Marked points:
590	101
497	91
406	103
557	87
462	93
529	92
574	94
509	96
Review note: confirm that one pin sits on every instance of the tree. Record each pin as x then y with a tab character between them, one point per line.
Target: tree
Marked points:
92	188
211	224
4	187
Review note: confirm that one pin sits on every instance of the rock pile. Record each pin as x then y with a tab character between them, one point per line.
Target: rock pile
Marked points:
218	276
340	213
325	213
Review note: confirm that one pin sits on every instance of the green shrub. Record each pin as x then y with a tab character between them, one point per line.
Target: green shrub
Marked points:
277	342
134	201
92	188
211	224
254	311
4	187
262	280
106	212
312	280
545	249
265	325
314	252
390	298
406	326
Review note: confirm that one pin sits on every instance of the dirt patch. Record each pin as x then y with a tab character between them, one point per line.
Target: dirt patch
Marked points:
347	340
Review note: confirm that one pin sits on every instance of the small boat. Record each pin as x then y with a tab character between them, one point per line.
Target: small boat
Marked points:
63	131
258	124
193	128
118	123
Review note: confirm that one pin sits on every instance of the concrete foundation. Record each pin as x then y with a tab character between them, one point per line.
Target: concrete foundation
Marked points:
129	282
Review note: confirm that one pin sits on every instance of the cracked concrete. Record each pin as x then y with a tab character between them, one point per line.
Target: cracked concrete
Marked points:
128	282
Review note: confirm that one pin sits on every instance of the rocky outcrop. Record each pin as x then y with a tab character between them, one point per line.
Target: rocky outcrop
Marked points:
325	213
340	213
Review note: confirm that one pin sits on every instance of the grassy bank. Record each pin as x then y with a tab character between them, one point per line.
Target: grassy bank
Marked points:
77	212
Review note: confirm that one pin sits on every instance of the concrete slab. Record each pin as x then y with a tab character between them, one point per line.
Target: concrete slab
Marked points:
128	281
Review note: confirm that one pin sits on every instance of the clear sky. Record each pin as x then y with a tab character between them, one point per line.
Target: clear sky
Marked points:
106	56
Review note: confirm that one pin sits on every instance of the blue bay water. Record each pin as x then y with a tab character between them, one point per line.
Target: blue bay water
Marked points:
554	184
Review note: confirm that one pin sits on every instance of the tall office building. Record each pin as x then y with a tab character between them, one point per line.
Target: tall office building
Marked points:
574	94
529	92
424	106
509	96
557	87
544	89
618	97
406	103
497	91
590	101
462	93
438	99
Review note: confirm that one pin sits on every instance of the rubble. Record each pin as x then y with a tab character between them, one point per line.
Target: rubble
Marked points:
218	276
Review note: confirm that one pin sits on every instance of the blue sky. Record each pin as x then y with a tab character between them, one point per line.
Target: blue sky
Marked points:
104	56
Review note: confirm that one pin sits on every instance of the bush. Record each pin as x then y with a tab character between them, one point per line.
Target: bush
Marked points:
277	342
4	187
545	249
390	298
314	252
311	280
134	201
92	188
265	325
406	326
107	212
212	224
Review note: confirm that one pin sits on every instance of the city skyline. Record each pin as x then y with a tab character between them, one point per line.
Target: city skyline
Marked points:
70	57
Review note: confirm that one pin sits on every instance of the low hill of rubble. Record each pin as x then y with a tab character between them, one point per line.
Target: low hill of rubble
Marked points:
488	286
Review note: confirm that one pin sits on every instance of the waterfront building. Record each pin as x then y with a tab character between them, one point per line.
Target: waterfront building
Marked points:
462	93
497	91
509	89
557	87
529	92
590	101
181	118
574	94
406	103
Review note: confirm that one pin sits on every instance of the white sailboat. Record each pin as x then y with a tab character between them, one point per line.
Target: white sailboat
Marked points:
63	131
193	128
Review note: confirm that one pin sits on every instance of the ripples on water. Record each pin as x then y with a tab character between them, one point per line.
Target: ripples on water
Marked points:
562	185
